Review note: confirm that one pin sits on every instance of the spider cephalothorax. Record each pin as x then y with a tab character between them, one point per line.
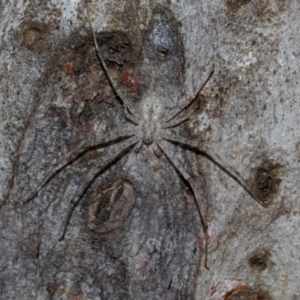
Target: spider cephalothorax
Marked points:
149	122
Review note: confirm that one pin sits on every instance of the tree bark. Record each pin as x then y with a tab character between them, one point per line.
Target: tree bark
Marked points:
129	219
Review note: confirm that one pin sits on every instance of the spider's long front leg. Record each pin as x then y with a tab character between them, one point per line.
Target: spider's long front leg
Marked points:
198	190
76	154
90	178
130	117
216	159
105	69
181	117
189	102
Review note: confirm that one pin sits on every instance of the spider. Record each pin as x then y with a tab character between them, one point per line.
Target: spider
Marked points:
151	127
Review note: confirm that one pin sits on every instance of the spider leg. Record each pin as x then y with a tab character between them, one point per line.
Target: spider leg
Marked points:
178	111
180	118
104	66
196	188
156	149
76	154
138	146
108	159
232	172
130	117
112	136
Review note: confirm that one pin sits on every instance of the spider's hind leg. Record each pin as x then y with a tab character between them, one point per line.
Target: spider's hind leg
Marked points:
197	187
156	149
74	155
217	160
113	155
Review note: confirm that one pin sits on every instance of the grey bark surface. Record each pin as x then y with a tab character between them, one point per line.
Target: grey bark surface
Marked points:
136	232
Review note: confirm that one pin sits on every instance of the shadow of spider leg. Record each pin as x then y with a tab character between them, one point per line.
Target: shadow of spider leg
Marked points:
206	151
198	190
75	154
110	158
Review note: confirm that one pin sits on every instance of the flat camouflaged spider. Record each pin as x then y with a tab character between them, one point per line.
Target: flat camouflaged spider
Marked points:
149	126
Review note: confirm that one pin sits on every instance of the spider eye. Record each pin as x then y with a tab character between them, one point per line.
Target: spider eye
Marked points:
162	52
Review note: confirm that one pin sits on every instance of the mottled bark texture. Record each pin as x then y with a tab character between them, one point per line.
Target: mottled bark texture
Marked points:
132	229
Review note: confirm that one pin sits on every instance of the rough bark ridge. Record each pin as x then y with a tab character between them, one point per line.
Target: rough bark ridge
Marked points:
135	233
